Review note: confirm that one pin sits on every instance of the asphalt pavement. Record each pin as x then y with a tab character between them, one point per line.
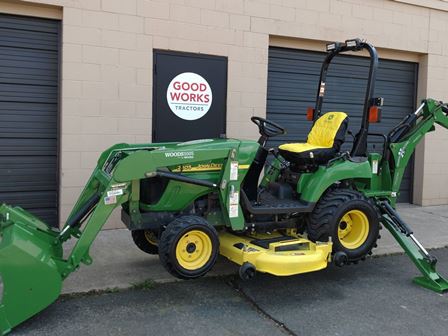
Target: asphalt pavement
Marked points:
375	297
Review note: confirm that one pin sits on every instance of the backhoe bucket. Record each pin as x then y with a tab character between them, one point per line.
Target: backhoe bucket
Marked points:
29	276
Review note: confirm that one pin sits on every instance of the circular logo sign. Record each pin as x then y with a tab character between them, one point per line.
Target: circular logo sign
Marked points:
189	96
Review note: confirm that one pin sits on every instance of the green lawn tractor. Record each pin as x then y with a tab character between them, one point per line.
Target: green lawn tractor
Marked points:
282	211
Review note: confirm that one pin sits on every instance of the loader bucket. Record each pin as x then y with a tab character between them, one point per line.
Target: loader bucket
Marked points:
29	276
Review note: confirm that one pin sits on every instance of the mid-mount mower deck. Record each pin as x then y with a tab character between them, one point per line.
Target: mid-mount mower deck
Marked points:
190	201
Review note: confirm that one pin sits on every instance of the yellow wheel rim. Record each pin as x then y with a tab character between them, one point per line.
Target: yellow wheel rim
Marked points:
151	238
193	250
353	229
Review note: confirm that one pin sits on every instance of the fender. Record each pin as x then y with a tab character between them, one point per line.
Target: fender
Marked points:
311	186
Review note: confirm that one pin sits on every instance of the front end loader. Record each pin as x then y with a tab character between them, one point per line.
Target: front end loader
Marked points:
282	211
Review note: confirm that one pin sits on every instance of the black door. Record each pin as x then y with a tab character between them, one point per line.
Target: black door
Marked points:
293	78
29	78
190	93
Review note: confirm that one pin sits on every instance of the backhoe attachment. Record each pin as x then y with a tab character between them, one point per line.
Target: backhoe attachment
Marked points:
425	262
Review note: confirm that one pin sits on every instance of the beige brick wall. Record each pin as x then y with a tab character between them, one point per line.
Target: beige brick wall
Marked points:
107	60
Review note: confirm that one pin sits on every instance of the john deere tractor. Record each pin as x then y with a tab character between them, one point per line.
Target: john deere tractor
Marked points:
283	211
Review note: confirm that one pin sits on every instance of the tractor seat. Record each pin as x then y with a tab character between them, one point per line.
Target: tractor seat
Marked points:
323	143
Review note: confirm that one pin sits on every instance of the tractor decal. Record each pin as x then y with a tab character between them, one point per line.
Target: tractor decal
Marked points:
184	155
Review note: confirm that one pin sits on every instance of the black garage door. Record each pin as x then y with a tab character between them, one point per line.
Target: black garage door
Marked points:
292	84
29	76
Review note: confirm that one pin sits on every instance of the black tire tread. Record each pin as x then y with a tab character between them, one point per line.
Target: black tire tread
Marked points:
318	225
169	237
138	236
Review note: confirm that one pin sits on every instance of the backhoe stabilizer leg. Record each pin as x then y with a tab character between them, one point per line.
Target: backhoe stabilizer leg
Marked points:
425	262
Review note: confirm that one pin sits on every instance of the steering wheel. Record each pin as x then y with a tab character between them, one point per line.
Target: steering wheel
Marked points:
268	128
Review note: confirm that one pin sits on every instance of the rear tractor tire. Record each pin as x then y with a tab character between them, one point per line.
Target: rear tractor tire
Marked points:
189	247
350	219
146	241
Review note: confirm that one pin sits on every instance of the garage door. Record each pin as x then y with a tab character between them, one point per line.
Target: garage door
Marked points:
29	52
292	84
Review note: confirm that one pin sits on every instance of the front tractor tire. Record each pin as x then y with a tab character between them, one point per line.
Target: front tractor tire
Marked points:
351	221
189	247
146	241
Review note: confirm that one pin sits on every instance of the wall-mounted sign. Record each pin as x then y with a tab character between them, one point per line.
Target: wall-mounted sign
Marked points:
189	96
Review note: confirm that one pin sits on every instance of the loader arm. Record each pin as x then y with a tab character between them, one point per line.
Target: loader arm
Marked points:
112	189
33	265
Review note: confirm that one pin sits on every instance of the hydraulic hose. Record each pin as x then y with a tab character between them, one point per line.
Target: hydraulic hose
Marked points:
84	210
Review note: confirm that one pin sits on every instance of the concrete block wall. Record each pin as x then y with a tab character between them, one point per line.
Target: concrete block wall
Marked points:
107	50
435	179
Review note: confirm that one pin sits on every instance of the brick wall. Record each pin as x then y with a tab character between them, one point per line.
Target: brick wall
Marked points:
107	65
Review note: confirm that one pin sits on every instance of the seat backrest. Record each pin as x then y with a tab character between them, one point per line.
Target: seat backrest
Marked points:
329	130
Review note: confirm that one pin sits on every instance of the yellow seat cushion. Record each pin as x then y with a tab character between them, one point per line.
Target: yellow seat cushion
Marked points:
299	147
322	134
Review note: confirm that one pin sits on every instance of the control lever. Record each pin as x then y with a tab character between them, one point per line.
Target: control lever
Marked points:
343	156
445	109
275	153
349	132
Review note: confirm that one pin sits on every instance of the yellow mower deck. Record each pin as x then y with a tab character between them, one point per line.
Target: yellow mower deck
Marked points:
276	254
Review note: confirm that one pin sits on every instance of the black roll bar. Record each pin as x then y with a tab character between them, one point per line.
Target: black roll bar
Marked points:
360	142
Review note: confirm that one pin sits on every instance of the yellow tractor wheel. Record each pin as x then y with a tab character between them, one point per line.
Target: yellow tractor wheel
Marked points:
353	229
351	221
189	247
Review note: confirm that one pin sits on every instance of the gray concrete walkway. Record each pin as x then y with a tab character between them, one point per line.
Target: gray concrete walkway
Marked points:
117	263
